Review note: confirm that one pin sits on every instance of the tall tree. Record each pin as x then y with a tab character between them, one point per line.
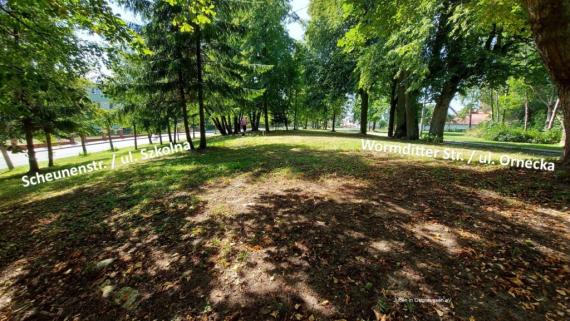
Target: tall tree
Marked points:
550	22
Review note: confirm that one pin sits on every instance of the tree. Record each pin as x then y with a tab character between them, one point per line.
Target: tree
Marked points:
550	23
42	55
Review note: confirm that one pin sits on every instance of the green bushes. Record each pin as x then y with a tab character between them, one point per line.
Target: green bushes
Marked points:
506	133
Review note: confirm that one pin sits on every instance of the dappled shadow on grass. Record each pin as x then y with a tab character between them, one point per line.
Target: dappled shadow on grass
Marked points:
549	151
313	232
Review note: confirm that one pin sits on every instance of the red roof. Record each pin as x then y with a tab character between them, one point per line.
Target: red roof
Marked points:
476	118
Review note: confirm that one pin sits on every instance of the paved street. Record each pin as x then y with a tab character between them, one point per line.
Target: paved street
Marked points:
20	159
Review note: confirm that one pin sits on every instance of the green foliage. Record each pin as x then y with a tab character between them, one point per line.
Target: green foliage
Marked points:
504	133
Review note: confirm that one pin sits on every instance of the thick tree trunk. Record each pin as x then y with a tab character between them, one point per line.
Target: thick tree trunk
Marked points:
49	147
135	134
550	23
412	129
439	117
200	88
83	145
149	135
565	105
236	124
363	110
400	121
29	132
6	156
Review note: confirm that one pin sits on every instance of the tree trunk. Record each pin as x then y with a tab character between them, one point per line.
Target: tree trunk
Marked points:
439	117
334	122
363	111
135	134
525	112
184	110
565	104
236	124
7	159
29	132
169	129
422	119
400	121
159	135
175	138
265	114
553	116
110	138
149	138
200	88
412	130
49	147
393	104
219	126
83	145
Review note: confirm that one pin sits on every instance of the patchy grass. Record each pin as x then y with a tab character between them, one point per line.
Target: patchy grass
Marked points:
290	226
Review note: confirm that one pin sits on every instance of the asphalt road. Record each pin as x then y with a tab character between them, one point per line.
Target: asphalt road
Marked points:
20	159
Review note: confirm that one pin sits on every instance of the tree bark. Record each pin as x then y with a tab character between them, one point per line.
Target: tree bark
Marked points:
525	112
169	129
29	132
363	110
565	104
135	133
184	110
200	88
437	126
400	112
220	126
412	129
553	115
83	144
175	138
6	157
110	138
49	147
393	104
334	122
422	117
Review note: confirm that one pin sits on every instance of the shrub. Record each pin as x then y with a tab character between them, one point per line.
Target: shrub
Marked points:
506	133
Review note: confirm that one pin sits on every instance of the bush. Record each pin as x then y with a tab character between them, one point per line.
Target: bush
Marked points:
505	133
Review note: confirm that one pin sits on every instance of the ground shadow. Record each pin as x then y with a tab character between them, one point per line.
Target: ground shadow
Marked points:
290	233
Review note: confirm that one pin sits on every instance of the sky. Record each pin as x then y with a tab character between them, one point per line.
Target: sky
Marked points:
296	29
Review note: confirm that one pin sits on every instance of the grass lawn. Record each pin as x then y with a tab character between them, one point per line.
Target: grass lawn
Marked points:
463	138
289	226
